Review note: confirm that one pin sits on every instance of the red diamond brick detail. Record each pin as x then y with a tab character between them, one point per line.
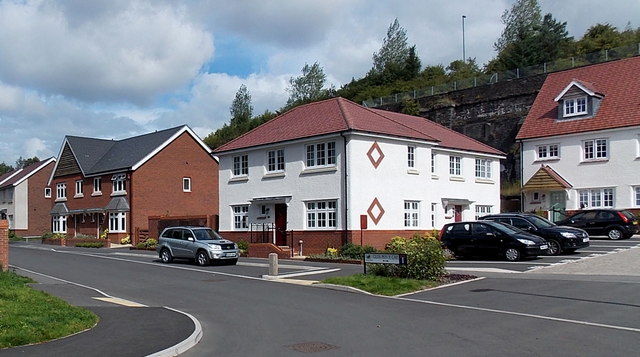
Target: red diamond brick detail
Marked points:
375	204
375	149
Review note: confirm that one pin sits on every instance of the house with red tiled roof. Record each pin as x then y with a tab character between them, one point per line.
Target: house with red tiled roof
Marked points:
332	172
25	199
580	142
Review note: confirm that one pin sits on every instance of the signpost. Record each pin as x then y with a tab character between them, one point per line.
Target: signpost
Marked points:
384	258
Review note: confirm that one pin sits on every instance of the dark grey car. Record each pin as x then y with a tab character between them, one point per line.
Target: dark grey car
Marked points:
201	244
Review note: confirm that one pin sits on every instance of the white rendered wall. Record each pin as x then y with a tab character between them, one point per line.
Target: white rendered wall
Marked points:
621	170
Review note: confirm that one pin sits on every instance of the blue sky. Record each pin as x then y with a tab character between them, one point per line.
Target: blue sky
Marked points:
118	68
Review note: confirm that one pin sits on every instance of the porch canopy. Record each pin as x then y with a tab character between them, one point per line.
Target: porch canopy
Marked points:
546	178
271	199
456	202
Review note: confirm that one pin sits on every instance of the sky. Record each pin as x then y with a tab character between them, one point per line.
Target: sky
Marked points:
113	69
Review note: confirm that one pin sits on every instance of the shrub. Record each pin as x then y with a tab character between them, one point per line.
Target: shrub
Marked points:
243	246
125	240
425	256
84	236
90	245
332	252
148	243
104	233
353	251
14	236
50	235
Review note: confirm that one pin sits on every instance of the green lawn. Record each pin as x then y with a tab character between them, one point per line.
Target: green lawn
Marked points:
382	285
30	316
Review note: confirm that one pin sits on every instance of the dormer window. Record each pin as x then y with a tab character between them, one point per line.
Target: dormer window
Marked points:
575	106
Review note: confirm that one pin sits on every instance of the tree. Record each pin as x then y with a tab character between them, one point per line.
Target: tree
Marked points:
394	50
22	163
241	108
599	37
460	69
308	87
519	22
4	168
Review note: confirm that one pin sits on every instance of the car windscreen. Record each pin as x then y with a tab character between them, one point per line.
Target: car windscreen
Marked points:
206	234
540	222
507	228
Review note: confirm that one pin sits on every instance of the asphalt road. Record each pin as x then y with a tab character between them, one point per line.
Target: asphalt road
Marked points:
244	315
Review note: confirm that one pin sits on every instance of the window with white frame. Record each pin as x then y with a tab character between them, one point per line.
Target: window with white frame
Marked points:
119	182
575	106
483	168
434	206
186	184
47	192
117	222
61	191
547	152
411	156
241	165
321	154
637	196
79	190
241	217
482	210
411	213
597	197
97	185
321	214
433	163
275	160
595	149
59	224
455	165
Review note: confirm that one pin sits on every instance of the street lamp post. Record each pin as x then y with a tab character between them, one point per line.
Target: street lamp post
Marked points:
464	55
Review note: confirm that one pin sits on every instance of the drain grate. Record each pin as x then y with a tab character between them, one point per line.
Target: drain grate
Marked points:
312	347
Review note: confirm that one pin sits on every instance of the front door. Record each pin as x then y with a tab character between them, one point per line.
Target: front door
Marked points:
457	211
558	205
281	224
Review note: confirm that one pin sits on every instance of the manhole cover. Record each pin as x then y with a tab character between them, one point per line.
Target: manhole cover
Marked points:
312	347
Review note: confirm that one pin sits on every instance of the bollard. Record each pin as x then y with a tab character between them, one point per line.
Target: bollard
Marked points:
273	264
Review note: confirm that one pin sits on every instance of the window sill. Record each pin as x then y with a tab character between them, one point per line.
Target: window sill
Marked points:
119	193
413	172
457	178
594	161
485	181
272	175
239	179
63	199
549	159
319	170
78	196
97	193
435	177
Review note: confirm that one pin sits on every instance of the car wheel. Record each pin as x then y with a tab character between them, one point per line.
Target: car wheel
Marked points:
449	254
202	258
512	254
165	256
614	234
554	247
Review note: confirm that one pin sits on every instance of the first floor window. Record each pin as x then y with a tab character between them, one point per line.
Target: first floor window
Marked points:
47	192
119	182
482	211
598	197
241	217
595	149
321	214
186	184
321	154
411	156
59	224
433	163
61	190
97	184
79	190
483	168
545	152
241	165
411	213
117	222
275	160
637	196
455	165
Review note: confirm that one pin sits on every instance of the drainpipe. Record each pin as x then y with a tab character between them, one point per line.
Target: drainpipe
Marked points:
521	176
346	189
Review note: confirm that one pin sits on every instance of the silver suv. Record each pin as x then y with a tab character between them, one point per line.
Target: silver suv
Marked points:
201	244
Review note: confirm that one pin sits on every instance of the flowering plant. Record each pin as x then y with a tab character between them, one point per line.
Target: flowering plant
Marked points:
332	252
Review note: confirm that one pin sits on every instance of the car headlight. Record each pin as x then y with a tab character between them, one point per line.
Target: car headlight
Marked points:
526	241
235	246
568	235
215	247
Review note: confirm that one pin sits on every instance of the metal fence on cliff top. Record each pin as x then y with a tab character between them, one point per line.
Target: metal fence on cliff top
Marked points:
555	66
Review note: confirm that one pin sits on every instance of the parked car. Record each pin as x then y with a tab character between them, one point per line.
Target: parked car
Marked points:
560	238
613	223
201	244
489	238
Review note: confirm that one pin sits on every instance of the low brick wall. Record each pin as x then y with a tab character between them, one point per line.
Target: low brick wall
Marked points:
71	242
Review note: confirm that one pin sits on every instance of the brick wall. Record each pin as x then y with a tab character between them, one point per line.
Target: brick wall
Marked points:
4	245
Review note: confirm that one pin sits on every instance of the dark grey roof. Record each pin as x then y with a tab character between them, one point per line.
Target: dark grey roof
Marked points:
118	204
99	155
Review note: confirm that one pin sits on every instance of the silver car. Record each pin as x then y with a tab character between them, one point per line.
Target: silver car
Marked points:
201	244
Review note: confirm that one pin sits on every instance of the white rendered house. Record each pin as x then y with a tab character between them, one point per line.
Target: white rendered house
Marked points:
581	140
333	172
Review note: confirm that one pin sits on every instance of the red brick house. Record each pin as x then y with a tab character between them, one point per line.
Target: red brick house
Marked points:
25	201
134	186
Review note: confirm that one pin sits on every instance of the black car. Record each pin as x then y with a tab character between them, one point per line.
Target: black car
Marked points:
613	223
560	238
490	238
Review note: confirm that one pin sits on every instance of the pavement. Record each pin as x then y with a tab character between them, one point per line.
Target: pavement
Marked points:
129	329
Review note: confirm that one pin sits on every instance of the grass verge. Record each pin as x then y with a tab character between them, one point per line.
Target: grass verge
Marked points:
30	316
382	285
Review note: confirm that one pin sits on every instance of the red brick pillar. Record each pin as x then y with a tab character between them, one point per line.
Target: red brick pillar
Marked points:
4	245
